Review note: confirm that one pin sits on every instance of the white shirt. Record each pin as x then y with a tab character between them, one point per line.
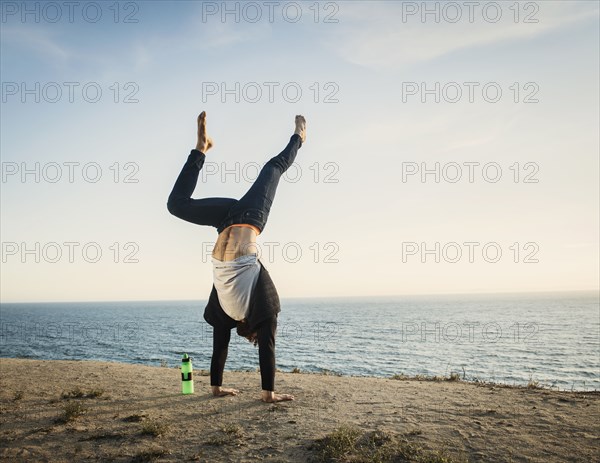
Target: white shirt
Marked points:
234	281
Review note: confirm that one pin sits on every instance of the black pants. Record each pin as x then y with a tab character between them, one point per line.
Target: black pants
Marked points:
266	353
253	208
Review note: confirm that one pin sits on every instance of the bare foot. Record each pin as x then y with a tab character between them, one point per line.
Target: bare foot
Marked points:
270	397
301	127
204	141
219	391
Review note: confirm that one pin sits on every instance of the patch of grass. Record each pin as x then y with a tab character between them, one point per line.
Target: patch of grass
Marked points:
18	395
296	370
337	444
148	455
75	393
403	377
218	439
349	444
229	434
532	384
233	430
154	428
78	393
454	377
71	411
327	372
95	393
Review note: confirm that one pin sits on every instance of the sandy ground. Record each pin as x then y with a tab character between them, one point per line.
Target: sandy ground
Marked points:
137	413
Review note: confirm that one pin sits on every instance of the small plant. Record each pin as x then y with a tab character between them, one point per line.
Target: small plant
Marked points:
18	395
75	393
217	440
72	411
233	430
154	428
533	384
95	393
296	370
228	434
78	393
454	377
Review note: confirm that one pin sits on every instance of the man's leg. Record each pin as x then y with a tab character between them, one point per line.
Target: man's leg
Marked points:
266	357
265	185
207	211
261	194
221	337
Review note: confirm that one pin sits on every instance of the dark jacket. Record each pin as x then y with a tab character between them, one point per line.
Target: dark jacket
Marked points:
264	304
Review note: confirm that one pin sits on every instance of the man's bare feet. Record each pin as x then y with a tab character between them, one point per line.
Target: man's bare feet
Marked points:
270	396
219	391
301	127
204	141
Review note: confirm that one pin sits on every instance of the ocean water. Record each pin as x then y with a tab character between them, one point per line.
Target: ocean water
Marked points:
552	338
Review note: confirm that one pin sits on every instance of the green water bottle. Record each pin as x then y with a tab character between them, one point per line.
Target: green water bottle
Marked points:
187	382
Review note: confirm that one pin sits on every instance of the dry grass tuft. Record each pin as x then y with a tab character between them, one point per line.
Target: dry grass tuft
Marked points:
349	444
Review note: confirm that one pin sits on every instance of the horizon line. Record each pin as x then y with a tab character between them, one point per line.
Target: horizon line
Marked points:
492	293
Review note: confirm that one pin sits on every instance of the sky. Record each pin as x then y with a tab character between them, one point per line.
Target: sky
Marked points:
451	148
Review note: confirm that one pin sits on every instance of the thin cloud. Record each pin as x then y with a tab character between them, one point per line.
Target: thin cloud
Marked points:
52	45
373	34
39	41
197	36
